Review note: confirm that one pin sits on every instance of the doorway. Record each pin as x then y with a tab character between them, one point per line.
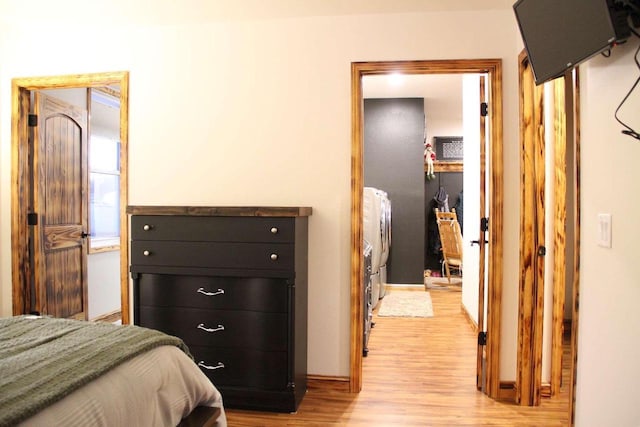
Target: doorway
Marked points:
25	287
493	69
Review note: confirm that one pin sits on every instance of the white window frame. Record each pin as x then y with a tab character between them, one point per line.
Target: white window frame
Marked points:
98	244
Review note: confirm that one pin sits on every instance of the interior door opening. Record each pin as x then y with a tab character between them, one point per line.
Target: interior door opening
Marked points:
26	270
492	68
405	117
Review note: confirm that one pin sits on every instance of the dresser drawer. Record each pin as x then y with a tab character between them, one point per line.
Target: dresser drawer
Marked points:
232	367
234	329
219	229
273	256
226	293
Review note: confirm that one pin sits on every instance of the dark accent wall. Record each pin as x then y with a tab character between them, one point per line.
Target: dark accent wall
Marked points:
394	162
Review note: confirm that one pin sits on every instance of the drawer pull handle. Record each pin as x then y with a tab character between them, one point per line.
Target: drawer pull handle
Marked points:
146	227
274	257
146	253
204	328
210	294
274	230
211	368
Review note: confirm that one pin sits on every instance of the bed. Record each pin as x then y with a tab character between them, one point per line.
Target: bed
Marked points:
61	372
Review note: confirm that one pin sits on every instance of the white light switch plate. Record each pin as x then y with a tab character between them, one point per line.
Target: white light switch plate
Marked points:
604	230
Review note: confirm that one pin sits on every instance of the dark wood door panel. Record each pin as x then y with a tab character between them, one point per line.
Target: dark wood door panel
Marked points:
63	283
59	198
63	236
234	329
238	293
63	168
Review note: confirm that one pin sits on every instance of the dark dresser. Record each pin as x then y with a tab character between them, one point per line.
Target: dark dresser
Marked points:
232	283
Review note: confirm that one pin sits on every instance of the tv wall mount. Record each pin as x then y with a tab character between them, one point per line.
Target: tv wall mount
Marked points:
629	9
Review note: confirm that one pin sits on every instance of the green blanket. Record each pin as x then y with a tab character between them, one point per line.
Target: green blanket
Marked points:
44	359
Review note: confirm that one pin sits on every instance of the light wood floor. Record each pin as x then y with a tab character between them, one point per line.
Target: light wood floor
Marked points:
419	372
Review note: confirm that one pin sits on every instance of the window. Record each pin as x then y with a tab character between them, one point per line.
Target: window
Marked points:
104	193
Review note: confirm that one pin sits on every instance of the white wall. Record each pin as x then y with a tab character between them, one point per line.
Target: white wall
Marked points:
444	117
471	177
104	283
258	113
609	319
442	126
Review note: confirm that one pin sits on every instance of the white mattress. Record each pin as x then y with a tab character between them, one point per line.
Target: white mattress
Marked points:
157	388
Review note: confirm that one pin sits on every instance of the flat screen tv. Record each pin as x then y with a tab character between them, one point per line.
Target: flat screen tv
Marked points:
560	34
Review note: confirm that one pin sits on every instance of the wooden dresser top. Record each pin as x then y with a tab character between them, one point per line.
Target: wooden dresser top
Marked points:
262	211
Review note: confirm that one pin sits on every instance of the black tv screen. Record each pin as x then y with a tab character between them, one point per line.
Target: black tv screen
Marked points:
559	34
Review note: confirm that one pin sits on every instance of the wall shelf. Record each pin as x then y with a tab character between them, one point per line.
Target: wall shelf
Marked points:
445	166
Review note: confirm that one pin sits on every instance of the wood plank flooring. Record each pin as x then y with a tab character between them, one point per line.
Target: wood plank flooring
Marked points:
419	372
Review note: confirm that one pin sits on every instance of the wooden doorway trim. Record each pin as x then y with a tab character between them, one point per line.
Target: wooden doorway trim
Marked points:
573	151
21	89
560	232
492	67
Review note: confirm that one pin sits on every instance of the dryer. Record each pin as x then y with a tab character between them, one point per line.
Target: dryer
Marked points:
376	221
371	234
385	236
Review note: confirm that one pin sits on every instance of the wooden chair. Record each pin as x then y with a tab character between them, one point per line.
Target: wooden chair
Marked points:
451	241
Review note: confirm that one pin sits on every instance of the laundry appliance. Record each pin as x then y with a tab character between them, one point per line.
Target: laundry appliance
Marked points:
376	221
385	238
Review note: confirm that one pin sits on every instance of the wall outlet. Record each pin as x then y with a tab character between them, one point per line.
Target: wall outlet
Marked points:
604	230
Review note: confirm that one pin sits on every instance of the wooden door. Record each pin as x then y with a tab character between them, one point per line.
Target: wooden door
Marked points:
60	181
482	240
532	238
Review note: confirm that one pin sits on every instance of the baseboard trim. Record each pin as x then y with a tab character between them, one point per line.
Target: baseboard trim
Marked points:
545	390
507	391
114	316
404	287
328	383
467	315
566	328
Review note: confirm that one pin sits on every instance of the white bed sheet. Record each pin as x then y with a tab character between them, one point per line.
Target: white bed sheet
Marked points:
157	388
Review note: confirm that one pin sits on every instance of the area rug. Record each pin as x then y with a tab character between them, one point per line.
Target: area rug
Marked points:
406	304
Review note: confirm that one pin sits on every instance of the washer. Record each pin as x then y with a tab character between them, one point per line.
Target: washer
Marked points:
371	210
385	236
376	221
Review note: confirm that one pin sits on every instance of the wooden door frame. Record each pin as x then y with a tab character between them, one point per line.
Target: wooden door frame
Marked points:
493	67
21	89
573	152
561	125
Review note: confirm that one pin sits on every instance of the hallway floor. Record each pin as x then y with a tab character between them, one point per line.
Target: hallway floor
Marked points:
419	372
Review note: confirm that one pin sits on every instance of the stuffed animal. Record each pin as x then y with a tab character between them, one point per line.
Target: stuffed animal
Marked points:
429	157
